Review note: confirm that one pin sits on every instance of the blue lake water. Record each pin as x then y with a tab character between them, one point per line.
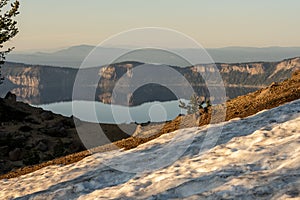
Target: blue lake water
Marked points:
108	113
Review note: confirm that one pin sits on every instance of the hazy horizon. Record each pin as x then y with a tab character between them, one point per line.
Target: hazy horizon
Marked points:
53	25
75	56
53	50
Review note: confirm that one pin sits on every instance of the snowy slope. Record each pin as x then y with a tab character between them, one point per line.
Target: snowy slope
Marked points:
255	158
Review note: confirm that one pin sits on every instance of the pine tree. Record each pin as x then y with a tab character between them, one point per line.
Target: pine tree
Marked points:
8	28
193	106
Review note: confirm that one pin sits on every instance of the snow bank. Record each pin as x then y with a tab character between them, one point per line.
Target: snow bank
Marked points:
255	158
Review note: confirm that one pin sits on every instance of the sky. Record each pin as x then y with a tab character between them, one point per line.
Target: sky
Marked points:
55	24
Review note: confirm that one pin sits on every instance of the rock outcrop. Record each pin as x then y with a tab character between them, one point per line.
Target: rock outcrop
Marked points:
30	135
23	135
11	97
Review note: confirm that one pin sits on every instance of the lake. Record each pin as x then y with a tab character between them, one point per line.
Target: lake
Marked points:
107	113
99	112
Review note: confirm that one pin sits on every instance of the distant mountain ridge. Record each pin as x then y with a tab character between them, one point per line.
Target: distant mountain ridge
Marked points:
75	55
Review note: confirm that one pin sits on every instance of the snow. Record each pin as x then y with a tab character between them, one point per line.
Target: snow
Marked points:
255	158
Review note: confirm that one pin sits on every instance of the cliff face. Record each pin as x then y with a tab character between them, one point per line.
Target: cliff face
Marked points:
24	80
44	84
115	71
292	64
258	74
252	69
255	74
37	84
22	75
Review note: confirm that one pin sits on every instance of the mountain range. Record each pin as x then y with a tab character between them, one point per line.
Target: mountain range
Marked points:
75	55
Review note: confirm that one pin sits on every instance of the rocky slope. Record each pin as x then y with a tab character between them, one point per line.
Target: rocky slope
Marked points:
30	135
42	84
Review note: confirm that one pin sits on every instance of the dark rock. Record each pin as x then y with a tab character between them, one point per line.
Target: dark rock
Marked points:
47	115
27	135
69	123
145	124
76	146
18	164
42	146
25	128
31	158
46	157
29	146
58	125
16	141
5	166
4	134
9	113
4	138
62	129
11	97
15	154
67	141
32	120
58	149
4	150
51	132
20	138
55	132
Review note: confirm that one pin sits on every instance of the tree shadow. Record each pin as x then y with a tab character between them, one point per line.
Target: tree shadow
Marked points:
84	184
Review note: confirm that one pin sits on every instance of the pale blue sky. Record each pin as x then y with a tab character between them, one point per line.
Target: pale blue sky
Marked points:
51	24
